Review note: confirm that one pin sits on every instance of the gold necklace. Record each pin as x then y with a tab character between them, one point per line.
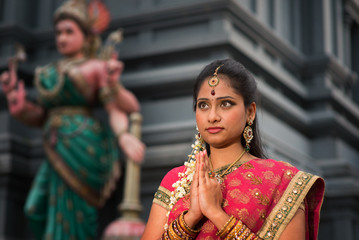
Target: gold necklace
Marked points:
62	67
219	177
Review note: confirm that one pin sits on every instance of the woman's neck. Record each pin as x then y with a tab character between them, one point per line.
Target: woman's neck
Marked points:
223	156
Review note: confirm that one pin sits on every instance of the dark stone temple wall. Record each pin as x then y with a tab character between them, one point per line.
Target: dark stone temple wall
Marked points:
303	53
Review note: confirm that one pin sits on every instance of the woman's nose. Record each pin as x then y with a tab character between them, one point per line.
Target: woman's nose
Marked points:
214	115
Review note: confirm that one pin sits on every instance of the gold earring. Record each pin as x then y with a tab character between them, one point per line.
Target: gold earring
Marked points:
199	139
248	134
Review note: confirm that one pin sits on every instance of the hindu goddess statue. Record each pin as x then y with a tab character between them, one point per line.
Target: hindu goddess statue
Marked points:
81	166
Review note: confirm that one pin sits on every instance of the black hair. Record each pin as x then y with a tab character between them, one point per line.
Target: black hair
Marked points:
243	82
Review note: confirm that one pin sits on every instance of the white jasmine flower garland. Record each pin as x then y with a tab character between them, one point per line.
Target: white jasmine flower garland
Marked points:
182	186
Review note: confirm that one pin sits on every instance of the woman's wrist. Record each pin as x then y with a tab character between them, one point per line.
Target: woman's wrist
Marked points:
190	219
219	218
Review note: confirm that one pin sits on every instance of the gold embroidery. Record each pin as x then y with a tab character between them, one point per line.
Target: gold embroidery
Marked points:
225	203
52	200
263	199
83	172
80	82
247	166
186	201
209	238
58	217
66	226
242	214
79	216
287	206
60	190
268	175
162	197
234	183
288	174
262	214
93	197
91	150
103	159
276	196
207	227
237	196
266	163
69	204
66	142
253	178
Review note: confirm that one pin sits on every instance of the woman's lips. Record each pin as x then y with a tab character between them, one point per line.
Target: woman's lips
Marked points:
214	129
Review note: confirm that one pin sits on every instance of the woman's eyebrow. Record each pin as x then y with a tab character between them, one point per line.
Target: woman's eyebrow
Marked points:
219	98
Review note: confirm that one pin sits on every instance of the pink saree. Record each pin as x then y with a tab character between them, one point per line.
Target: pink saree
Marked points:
263	193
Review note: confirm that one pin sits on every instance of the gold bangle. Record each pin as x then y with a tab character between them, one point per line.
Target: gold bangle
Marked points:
173	233
228	224
106	95
119	134
116	88
238	229
245	233
182	231
183	224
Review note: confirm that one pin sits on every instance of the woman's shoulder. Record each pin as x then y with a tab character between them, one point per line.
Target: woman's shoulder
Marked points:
171	177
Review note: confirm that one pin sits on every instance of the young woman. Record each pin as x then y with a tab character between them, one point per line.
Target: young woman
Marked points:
227	189
82	154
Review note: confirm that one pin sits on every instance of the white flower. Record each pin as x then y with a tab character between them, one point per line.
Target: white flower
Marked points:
182	186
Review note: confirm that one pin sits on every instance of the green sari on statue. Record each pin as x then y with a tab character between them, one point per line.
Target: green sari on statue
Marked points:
81	164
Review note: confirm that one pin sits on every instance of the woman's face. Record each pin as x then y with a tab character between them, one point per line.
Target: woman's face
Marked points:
221	118
69	38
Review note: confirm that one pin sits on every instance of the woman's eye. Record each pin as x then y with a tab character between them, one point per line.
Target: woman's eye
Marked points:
226	104
202	105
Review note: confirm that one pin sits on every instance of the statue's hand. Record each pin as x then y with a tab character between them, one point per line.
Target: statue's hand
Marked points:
8	80
114	69
17	99
132	146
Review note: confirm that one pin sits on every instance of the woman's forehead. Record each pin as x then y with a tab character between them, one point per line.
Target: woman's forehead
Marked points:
223	88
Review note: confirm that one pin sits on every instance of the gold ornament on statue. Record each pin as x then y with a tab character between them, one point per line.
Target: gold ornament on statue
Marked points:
93	19
76	9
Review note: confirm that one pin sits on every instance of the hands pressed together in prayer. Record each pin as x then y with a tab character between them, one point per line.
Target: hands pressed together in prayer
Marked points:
206	195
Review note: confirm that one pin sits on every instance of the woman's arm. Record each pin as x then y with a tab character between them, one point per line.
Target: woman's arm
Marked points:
295	229
156	221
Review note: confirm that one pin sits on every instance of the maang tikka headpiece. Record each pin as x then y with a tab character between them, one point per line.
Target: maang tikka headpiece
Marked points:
213	81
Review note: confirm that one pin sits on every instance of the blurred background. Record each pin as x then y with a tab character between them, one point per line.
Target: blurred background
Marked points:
303	53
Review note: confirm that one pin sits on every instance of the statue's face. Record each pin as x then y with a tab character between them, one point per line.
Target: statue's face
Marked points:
69	38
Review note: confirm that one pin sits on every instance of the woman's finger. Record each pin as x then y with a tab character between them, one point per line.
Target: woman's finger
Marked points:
203	171
196	173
